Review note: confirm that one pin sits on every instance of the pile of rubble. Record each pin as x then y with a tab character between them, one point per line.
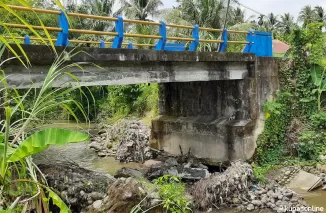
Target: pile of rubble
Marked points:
235	188
127	141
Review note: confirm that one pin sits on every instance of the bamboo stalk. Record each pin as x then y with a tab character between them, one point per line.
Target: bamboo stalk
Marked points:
180	39
58	29
238	42
92	16
239	32
20	8
211	41
141	22
142	36
93	32
180	26
210	29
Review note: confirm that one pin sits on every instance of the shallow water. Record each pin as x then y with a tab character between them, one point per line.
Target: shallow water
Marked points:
316	198
80	154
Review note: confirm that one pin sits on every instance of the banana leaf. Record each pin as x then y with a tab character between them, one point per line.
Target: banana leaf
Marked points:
43	139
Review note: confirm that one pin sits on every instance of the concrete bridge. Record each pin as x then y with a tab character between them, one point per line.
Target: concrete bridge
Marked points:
209	102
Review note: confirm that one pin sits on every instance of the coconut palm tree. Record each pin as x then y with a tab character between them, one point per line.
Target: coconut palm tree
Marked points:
271	20
287	23
261	20
321	14
140	9
96	7
238	15
206	13
307	15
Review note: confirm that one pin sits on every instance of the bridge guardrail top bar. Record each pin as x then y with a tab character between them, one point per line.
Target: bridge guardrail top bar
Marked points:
256	42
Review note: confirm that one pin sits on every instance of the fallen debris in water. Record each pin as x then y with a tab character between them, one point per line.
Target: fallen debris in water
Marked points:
306	181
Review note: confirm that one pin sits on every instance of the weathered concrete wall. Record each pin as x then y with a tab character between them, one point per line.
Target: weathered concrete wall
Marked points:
217	120
125	66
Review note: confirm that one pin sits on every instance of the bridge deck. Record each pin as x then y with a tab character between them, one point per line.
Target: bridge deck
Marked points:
126	66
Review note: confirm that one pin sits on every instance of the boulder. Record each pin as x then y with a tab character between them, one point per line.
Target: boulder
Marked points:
128	172
97	205
250	207
78	187
96	146
194	173
173	168
171	162
126	193
151	162
123	195
96	196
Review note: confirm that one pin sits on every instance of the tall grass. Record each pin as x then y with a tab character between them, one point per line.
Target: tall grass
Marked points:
22	185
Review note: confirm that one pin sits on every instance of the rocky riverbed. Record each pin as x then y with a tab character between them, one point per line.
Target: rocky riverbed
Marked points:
81	177
235	187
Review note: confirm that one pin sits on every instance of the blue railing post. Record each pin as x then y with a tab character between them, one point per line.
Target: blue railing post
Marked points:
248	47
102	44
260	43
130	45
224	45
27	39
195	35
62	39
162	31
117	42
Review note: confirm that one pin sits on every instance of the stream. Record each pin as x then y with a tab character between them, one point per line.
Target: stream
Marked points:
80	154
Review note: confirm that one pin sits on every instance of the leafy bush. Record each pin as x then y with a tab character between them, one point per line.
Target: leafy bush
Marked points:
172	192
130	100
318	120
311	145
19	176
271	142
261	171
302	84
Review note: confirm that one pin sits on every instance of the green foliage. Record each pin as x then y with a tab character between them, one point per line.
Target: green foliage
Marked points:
261	171
271	141
19	176
319	80
318	120
300	98
311	145
43	139
130	100
172	192
90	98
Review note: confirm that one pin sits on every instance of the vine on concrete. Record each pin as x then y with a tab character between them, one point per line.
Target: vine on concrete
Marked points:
295	101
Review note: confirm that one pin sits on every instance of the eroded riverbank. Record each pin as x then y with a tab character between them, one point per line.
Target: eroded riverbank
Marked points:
81	155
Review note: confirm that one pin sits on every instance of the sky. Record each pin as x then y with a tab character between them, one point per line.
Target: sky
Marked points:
268	6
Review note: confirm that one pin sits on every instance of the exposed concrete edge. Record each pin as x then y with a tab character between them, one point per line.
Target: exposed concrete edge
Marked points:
42	54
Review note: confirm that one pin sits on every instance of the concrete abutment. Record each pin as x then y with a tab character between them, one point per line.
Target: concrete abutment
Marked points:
217	120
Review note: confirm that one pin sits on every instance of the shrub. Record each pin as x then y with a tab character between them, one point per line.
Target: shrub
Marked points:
318	120
311	145
172	192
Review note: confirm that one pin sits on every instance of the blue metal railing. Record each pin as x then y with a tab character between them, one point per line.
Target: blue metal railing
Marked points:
256	42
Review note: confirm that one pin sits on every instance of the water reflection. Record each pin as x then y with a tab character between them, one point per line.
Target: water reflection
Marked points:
80	154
